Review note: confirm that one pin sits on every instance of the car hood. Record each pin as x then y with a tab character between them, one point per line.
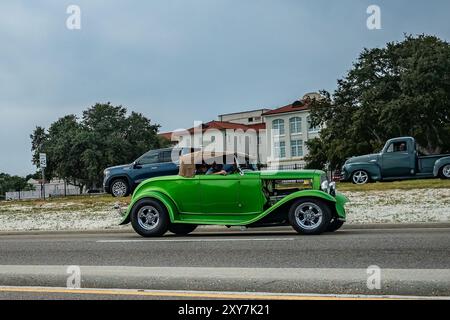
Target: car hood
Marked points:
118	168
364	158
290	174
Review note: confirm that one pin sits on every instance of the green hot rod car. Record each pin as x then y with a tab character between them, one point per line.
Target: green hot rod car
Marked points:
304	199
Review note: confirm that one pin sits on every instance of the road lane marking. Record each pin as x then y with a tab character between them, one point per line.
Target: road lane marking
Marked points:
193	240
210	294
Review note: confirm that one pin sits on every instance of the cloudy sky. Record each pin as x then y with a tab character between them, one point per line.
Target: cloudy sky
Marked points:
177	61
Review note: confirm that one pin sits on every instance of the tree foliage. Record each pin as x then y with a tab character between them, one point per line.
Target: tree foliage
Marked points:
402	89
13	183
78	150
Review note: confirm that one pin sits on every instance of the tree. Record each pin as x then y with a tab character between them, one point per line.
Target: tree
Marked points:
402	89
13	183
78	150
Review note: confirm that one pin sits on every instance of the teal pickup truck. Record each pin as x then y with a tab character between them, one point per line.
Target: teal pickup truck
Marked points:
398	160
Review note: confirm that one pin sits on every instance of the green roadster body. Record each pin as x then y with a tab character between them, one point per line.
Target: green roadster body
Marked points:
244	198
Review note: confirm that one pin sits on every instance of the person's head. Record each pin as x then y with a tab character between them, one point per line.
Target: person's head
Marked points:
402	146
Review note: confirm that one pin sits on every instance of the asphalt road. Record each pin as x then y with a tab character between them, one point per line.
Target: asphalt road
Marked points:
412	261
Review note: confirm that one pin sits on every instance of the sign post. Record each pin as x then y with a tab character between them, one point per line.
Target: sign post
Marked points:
43	165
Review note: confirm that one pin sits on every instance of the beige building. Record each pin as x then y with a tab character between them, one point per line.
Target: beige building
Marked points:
245	117
274	137
287	130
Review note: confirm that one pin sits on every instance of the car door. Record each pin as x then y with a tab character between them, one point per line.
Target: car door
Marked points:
146	166
395	160
219	193
168	163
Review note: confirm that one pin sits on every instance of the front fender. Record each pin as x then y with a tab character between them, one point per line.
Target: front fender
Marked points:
373	169
339	202
439	164
154	194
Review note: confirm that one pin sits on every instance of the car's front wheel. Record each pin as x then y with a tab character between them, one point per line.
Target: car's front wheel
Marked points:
120	188
360	177
309	216
182	229
149	218
444	172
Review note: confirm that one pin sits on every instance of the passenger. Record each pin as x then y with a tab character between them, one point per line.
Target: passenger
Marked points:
201	168
216	169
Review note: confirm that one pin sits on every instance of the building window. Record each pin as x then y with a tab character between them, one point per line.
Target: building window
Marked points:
295	125
278	126
250	119
297	148
280	149
311	128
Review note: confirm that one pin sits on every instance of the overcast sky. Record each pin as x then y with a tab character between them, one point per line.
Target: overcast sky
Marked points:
177	61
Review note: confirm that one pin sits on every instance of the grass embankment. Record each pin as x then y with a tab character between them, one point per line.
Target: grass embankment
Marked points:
401	185
72	203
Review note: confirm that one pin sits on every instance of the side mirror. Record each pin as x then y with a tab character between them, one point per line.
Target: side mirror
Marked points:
136	165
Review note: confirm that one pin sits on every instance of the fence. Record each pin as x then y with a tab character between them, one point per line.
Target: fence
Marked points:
38	194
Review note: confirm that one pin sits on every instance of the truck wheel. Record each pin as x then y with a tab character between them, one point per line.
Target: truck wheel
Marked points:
360	177
309	216
149	218
444	172
334	225
182	229
120	188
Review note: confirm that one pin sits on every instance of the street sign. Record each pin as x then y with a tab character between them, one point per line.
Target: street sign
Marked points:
43	160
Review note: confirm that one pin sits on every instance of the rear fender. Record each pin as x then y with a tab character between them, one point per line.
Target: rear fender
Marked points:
439	164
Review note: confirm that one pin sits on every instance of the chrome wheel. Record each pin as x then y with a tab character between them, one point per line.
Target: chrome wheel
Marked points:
446	171
148	217
308	215
360	177
119	188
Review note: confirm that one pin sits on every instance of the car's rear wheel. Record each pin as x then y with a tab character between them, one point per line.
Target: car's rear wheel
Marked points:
360	177
120	188
149	218
334	225
444	172
309	216
182	229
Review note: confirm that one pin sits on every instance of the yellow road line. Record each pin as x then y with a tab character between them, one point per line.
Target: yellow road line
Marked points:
178	294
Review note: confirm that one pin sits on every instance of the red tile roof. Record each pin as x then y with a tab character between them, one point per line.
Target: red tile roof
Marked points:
167	135
296	106
224	125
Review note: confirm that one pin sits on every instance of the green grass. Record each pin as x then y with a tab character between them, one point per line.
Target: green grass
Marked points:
403	185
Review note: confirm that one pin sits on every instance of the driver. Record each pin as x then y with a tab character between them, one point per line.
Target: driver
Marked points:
221	169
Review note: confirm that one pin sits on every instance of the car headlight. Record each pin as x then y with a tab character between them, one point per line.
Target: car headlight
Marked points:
332	189
106	173
324	186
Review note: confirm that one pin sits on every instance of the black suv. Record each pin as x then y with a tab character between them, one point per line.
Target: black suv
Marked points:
120	181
